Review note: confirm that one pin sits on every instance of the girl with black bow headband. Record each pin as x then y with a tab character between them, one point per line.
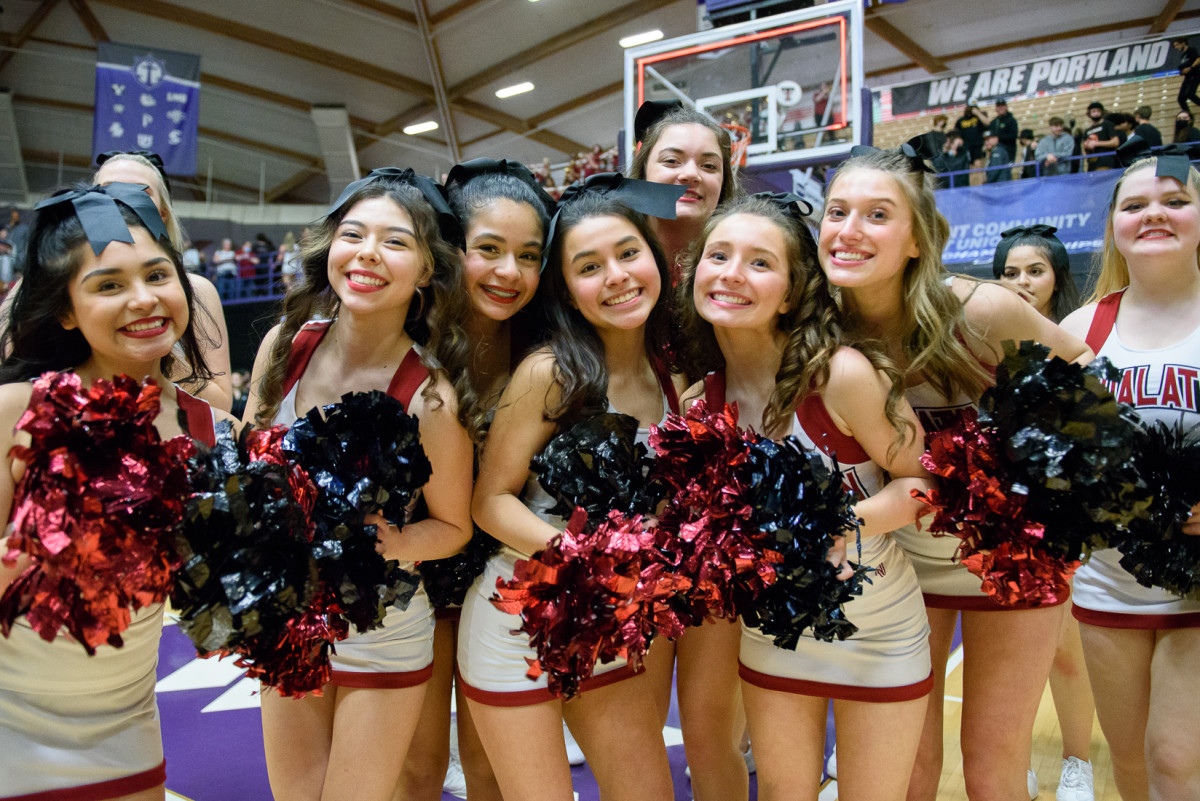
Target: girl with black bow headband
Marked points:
104	296
1141	642
380	307
604	293
1032	260
754	298
880	244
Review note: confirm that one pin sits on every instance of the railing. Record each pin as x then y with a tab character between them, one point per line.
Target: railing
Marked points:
1037	165
266	283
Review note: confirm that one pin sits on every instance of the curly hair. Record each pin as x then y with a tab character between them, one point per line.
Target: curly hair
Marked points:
580	368
34	338
936	329
467	200
1112	269
437	326
811	326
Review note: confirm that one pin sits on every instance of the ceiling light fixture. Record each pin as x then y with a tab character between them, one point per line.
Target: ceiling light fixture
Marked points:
515	89
641	38
421	127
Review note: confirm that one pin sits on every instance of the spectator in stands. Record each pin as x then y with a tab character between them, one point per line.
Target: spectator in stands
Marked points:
1027	152
999	160
7	276
288	260
1099	137
1189	68
1150	134
192	261
17	231
954	158
247	267
263	248
1005	126
1122	125
1185	130
936	135
1055	149
971	126
224	262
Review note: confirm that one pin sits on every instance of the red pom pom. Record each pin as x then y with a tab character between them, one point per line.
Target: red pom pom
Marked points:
96	508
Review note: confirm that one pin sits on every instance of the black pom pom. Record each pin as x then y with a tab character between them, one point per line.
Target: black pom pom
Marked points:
447	580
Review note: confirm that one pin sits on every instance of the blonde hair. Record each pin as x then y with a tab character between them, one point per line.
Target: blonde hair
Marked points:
936	330
174	229
1110	267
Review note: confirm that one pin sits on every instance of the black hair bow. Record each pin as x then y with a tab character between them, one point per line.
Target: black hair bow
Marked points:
1174	160
789	203
1058	251
918	151
651	112
462	174
655	200
433	193
96	208
153	158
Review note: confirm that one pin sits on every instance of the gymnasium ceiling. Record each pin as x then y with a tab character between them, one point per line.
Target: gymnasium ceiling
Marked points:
267	63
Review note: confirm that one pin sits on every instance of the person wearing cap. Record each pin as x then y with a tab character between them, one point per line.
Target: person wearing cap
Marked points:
1005	126
1189	68
954	158
1054	149
1099	136
999	160
1149	133
971	125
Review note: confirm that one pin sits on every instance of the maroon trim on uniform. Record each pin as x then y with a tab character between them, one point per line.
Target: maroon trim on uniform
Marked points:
199	417
817	423
714	389
381	681
540	695
839	692
409	375
1103	320
113	788
981	603
303	347
668	386
1125	620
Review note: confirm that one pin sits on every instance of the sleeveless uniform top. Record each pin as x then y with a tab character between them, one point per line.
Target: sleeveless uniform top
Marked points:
400	652
1162	385
887	659
84	726
493	654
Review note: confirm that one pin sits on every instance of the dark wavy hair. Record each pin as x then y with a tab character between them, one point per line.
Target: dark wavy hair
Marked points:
685	115
526	327
810	325
1066	295
435	323
579	360
34	338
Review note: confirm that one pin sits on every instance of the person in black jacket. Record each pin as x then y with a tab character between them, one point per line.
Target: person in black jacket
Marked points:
1185	129
1150	134
1189	68
971	126
1005	126
954	157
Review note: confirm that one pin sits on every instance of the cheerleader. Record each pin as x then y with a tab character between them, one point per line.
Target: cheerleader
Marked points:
1142	644
147	168
503	212
1032	260
881	241
73	725
684	147
388	289
608	318
755	298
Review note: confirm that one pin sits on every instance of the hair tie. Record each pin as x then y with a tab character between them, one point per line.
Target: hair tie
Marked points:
654	200
154	159
651	112
433	193
464	173
1015	234
916	151
96	208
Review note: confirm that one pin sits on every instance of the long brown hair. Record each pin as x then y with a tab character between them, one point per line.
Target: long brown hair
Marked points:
435	324
688	116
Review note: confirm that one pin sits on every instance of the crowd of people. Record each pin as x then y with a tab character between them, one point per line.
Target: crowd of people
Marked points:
500	318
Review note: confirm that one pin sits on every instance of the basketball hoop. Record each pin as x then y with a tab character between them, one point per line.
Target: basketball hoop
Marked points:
740	136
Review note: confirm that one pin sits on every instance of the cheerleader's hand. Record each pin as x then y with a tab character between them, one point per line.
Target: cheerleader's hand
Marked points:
836	556
385	532
1192	526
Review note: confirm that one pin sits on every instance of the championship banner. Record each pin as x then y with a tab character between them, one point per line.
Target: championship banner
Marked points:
148	99
1054	74
1077	205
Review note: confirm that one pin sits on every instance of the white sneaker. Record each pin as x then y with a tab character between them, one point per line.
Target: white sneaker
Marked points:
455	782
1031	784
1076	781
831	764
574	752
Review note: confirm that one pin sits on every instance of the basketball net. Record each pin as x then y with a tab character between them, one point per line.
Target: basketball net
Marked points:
740	137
